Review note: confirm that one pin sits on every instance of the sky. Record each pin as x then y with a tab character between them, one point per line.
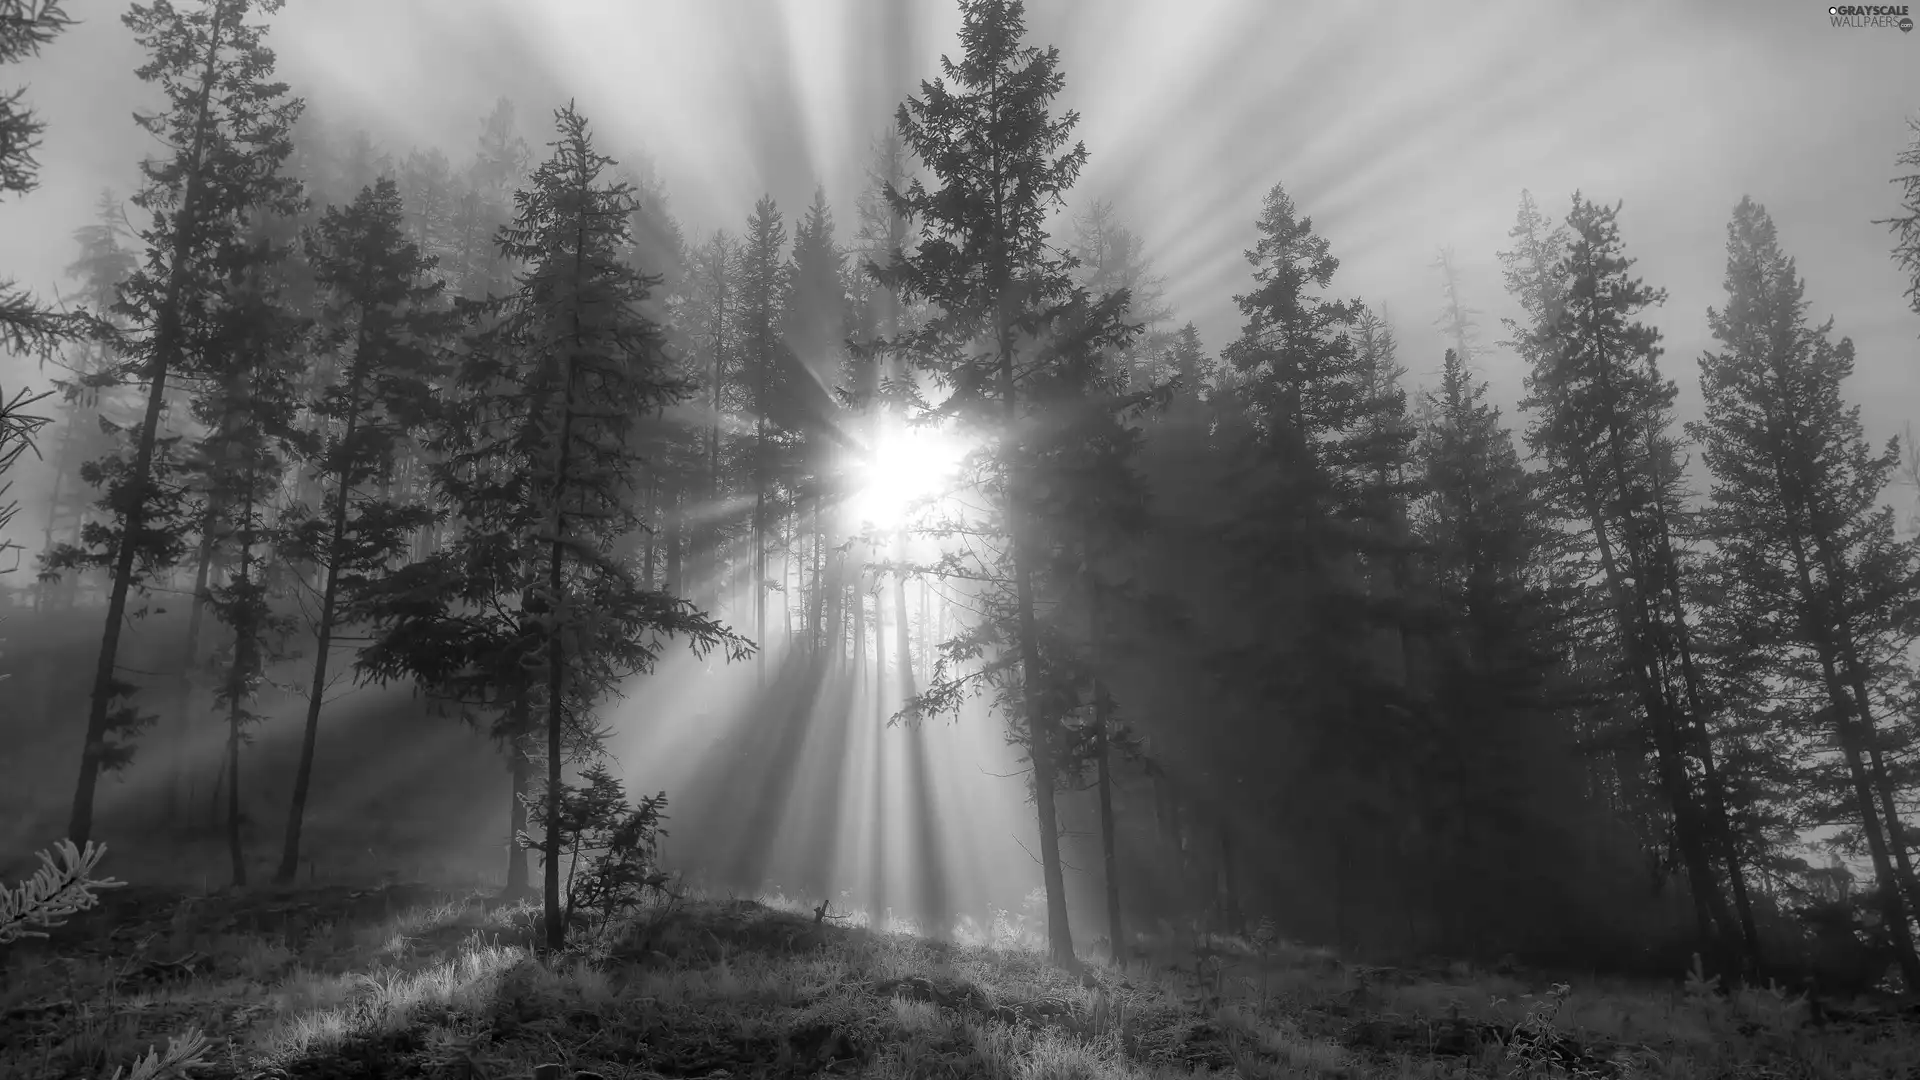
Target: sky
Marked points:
1400	128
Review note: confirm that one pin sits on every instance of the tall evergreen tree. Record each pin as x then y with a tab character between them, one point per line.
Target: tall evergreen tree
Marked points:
1010	322
385	321
25	27
1814	571
571	363
1906	224
1499	682
763	288
227	129
478	267
1113	259
87	390
246	405
1602	413
1456	320
1309	428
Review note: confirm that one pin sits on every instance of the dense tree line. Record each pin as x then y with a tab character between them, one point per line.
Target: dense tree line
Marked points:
1371	660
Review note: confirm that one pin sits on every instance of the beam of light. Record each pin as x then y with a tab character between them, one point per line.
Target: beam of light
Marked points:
802	786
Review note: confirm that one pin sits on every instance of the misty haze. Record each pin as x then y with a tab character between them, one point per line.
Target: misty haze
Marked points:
958	538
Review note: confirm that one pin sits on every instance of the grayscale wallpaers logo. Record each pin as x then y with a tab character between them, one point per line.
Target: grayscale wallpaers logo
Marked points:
1891	16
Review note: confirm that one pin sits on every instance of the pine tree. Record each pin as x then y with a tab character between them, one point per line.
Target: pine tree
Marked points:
18	427
1499	681
986	135
1812	567
1602	413
1906	224
1456	319
385	321
711	315
87	392
25	27
431	196
764	363
1308	388
566	370
17	430
228	128
1113	259
1310	424
478	267
817	325
246	404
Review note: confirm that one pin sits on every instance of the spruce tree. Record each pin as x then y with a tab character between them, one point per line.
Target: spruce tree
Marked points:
25	27
1456	320
87	391
1310	425
227	130
477	267
1499	681
1113	259
711	316
561	377
430	194
1812	567
1602	413
763	288
1906	224
384	320
816	328
246	404
986	135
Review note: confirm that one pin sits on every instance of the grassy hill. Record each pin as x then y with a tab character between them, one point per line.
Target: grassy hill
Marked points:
418	981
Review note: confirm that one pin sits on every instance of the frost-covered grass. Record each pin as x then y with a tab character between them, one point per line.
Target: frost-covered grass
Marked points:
419	982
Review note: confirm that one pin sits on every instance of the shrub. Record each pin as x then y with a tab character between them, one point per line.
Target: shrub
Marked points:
612	847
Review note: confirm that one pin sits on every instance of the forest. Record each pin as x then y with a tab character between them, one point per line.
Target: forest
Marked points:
466	522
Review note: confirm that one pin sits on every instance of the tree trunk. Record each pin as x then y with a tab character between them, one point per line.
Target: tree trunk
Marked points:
709	558
881	698
1040	723
518	776
1882	781
179	791
166	347
1824	626
246	645
62	462
1109	860
675	581
1230	883
1630	620
858	603
903	638
647	534
760	550
323	646
816	599
556	664
234	853
1719	820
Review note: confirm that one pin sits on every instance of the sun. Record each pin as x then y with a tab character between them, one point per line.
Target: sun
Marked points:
910	468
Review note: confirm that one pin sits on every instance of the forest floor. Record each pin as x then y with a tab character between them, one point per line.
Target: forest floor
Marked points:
410	981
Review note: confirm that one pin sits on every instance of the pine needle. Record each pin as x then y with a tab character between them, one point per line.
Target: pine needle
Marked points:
61	887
